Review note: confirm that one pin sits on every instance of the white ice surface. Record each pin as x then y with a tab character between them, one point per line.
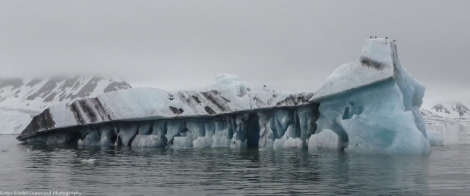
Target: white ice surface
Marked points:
138	103
324	140
355	75
62	116
155	103
13	122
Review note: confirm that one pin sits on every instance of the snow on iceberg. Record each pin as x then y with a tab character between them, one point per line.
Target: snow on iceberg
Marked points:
366	106
373	104
228	114
13	121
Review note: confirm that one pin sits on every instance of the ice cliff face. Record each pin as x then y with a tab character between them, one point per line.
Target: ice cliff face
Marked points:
367	106
228	114
372	105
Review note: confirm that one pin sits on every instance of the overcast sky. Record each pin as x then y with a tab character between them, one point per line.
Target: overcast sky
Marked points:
291	45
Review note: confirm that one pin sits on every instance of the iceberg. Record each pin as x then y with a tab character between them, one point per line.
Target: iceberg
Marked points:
227	114
373	104
369	106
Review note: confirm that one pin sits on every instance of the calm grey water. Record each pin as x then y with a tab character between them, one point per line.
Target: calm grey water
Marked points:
126	171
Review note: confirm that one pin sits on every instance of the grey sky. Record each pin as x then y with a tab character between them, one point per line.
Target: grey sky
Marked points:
291	45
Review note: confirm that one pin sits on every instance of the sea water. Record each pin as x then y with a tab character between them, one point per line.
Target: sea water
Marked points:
223	171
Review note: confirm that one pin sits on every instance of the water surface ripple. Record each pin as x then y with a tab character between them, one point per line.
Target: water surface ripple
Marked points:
150	171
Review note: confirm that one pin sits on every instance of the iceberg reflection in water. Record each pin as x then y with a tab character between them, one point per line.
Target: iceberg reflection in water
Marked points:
226	171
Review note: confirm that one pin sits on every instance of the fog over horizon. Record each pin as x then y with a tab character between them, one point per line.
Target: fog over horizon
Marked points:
289	45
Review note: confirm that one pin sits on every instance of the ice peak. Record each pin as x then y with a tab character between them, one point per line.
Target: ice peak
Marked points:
377	53
376	63
374	99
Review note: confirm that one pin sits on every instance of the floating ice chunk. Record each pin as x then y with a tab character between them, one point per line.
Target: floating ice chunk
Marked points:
88	161
324	140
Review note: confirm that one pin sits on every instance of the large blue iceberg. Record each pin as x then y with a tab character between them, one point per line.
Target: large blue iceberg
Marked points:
370	106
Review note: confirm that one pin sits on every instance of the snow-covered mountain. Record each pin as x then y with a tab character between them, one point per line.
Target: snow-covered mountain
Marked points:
452	109
22	98
37	94
447	113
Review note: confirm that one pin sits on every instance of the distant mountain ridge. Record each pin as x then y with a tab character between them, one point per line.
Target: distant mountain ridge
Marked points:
22	98
448	113
453	108
38	94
